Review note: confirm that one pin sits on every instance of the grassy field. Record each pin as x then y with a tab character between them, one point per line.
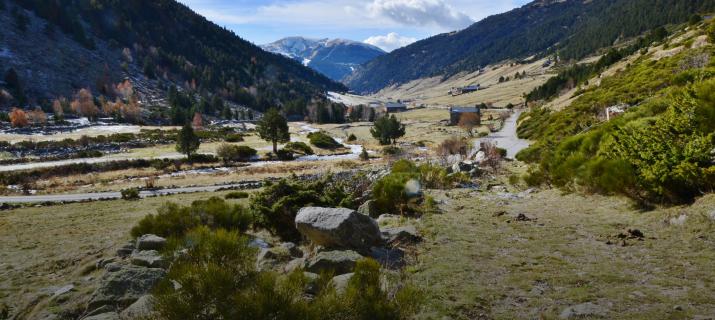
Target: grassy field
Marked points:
47	247
480	262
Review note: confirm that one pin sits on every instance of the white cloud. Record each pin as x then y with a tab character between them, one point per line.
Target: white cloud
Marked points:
420	13
389	42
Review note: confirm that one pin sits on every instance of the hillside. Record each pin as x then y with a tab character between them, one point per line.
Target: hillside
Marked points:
335	58
573	28
60	46
644	128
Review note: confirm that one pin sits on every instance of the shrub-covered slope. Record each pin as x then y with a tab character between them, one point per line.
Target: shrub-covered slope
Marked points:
659	150
573	28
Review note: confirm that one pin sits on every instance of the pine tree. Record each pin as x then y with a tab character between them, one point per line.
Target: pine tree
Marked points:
187	142
273	127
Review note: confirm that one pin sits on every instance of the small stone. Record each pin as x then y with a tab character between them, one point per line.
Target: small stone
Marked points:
258	243
384	219
389	258
150	242
369	208
292	249
104	316
311	283
294	264
583	310
401	235
340	262
149	259
341	282
141	309
62	290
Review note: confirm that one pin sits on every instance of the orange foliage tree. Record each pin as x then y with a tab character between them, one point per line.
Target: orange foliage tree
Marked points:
469	121
37	117
18	118
84	104
198	122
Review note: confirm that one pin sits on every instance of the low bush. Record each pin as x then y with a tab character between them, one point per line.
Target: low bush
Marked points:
172	220
277	205
234	137
323	141
284	155
299	147
130	194
391	151
352	137
217	279
236	195
229	153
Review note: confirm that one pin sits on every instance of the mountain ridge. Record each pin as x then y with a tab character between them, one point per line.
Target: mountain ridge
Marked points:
335	58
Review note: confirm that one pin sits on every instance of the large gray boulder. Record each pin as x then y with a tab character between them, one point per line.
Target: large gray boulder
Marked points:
339	262
338	228
150	242
125	286
141	309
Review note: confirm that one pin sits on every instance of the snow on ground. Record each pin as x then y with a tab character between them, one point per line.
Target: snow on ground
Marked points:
350	99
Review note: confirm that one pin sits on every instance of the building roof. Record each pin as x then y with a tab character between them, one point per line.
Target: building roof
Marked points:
464	110
395	105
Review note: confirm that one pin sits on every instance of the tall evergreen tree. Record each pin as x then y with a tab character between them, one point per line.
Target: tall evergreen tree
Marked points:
273	127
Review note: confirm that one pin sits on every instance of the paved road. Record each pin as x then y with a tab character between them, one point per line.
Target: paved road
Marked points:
117	195
506	138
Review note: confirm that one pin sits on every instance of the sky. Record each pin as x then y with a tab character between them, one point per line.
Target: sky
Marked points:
388	24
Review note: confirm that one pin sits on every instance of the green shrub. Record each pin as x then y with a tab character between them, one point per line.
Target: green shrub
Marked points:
299	147
277	205
217	279
404	166
393	195
284	155
323	141
234	137
352	137
173	220
391	151
229	152
130	194
236	195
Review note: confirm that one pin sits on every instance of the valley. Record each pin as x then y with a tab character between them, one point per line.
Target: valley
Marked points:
555	161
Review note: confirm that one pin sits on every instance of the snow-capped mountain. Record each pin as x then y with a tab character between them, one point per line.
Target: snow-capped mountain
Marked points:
335	58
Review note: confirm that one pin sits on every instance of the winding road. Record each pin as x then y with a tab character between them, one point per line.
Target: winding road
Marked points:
507	138
117	195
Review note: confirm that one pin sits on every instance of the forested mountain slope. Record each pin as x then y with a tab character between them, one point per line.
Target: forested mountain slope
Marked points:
163	39
573	28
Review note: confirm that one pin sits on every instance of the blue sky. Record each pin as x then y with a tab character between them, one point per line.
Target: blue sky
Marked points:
388	24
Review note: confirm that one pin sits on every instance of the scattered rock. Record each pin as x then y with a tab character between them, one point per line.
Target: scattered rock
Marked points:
369	208
149	259
631	234
338	228
341	282
125	286
340	262
401	235
587	309
678	308
101	263
150	242
390	258
270	259
292	249
100	310
63	290
113	267
523	217
104	316
126	250
311	284
259	243
294	264
141	309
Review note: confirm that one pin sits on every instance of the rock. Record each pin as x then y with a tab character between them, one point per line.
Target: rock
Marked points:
388	219
123	287
101	263
311	283
100	310
292	249
149	259
480	157
523	217
62	290
113	267
141	309
341	282
369	208
338	228
259	243
104	316
269	259
294	264
150	242
126	250
583	310
340	262
389	258
401	235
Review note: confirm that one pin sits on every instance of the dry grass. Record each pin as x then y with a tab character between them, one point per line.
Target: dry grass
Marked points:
480	263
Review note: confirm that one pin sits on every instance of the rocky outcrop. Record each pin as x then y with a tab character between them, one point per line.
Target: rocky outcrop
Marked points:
150	242
125	286
141	309
339	262
149	259
338	228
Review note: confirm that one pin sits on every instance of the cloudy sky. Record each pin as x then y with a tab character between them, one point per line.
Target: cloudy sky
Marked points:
388	24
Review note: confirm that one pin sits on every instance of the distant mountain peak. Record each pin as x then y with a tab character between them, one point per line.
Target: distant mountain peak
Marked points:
335	58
